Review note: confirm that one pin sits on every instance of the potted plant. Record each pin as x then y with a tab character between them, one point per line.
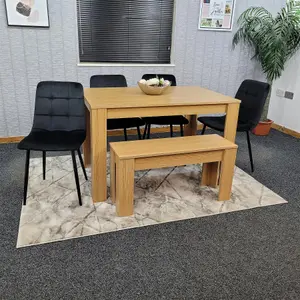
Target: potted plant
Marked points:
274	41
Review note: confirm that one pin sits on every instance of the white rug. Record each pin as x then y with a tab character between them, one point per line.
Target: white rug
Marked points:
53	214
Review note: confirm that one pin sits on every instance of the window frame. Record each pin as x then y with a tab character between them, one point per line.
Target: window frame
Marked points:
128	64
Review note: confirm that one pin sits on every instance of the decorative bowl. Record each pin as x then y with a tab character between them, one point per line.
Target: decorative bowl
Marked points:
152	90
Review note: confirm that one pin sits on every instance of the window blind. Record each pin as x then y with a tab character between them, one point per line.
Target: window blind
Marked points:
125	31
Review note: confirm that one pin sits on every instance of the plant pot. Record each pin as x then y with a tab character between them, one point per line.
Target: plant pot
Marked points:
263	128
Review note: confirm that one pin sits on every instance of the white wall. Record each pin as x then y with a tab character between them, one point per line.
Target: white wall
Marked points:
283	111
29	55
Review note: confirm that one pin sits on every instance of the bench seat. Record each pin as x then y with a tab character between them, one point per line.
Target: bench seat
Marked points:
127	157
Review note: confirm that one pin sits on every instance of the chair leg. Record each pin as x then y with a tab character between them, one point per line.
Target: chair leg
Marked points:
125	134
26	175
82	164
76	177
171	130
145	131
250	151
181	130
148	133
203	129
139	132
44	165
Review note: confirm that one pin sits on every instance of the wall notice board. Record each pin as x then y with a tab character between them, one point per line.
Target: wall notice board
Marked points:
216	15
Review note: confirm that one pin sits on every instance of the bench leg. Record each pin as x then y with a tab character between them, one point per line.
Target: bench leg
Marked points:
112	176
227	172
125	187
210	174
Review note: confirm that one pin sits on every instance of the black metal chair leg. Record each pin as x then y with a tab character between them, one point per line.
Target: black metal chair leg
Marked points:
139	132
148	133
145	131
203	129
181	130
82	164
250	151
171	130
76	177
44	165
26	176
125	134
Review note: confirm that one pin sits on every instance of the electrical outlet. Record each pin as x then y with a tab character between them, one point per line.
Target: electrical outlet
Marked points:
280	93
289	95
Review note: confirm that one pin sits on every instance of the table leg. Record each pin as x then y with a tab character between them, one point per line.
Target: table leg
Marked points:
112	176
98	145
125	187
227	172
210	174
191	128
232	115
87	142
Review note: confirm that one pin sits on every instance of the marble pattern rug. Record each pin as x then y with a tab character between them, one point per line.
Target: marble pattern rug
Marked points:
53	214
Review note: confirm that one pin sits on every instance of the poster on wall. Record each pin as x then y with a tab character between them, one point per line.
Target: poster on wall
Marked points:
216	15
33	13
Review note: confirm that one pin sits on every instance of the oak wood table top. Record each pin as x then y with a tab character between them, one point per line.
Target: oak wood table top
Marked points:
130	97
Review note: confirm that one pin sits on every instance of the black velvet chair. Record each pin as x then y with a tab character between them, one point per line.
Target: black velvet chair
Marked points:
164	120
105	81
253	95
58	125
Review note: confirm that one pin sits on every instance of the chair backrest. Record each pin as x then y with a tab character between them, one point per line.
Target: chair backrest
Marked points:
59	106
169	77
102	81
253	95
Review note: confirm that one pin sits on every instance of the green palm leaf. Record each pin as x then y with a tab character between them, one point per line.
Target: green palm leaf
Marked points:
274	39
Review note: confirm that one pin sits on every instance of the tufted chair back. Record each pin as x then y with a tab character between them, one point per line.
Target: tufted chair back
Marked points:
253	95
101	81
59	106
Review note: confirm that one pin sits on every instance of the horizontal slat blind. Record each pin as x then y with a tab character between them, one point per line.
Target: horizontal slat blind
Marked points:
130	31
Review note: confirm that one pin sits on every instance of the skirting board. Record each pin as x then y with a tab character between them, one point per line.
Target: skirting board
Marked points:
16	139
287	131
11	139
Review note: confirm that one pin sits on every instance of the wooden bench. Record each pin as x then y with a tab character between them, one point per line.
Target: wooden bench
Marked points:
127	157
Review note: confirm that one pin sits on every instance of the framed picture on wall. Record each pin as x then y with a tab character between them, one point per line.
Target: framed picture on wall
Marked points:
31	13
216	15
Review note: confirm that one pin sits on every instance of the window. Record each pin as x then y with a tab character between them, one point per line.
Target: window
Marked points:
125	31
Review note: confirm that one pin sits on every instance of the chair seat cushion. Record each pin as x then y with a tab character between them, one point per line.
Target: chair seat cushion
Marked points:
124	123
218	123
53	140
167	120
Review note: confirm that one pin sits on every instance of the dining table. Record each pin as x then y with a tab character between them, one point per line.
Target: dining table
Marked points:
129	102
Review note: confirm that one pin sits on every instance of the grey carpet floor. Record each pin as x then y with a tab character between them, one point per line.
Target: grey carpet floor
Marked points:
253	254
